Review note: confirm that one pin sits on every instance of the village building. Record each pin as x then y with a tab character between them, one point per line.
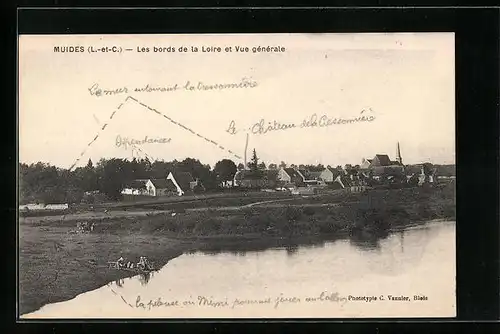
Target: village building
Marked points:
149	187
422	174
382	160
175	184
315	175
260	179
381	166
329	174
184	182
287	176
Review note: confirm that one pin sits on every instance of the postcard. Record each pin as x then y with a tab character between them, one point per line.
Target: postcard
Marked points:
237	176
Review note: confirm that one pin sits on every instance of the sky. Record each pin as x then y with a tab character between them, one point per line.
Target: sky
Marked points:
404	82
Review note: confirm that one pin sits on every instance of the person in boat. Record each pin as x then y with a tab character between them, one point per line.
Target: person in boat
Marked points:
120	262
144	264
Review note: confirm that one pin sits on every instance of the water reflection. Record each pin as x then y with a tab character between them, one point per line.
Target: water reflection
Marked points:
145	277
242	248
357	264
291	249
119	282
365	243
363	240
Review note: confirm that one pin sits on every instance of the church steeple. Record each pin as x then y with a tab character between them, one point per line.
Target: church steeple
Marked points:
398	155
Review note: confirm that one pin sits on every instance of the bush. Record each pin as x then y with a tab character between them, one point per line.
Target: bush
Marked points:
207	226
292	213
308	211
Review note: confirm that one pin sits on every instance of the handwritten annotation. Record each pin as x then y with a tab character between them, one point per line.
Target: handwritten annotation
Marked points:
126	142
204	301
262	127
97	91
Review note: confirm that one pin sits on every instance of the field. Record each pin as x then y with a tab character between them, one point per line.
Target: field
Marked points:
56	265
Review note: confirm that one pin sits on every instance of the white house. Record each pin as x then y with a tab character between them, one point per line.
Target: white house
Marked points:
139	187
290	175
183	182
175	184
328	174
150	187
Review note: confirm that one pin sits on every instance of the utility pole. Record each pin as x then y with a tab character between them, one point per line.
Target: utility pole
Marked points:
245	154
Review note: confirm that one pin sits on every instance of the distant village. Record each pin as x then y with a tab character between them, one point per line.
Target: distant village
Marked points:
379	171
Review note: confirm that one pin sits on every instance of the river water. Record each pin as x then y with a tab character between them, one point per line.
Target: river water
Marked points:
334	279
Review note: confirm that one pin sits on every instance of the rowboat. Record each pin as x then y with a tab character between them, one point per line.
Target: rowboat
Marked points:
139	271
136	269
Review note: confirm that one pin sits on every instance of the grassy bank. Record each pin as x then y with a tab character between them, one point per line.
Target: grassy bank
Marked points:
55	265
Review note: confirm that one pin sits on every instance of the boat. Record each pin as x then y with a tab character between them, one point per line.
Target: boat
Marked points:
139	271
136	269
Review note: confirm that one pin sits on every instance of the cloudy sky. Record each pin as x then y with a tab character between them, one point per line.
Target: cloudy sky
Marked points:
405	81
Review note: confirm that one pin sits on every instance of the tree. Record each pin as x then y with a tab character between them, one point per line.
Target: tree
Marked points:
254	162
272	166
225	170
241	166
199	171
111	177
283	164
262	166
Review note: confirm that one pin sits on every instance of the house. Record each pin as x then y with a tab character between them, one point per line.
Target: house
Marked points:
315	175
261	179
175	184
382	160
365	163
139	187
150	187
344	181
328	174
428	175
184	182
250	179
412	179
381	167
304	173
290	175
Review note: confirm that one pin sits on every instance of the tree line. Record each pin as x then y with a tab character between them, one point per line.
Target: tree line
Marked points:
44	183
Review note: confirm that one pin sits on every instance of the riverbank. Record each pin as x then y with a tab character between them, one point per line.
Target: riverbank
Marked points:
55	265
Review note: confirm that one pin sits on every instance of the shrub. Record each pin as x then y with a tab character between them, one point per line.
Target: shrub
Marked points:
308	211
292	213
207	226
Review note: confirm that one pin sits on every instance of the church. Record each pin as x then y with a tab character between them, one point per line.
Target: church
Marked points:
382	164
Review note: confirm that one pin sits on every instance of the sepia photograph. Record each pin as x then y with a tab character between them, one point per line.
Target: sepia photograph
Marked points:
236	176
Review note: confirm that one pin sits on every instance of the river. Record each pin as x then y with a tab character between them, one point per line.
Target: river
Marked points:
342	278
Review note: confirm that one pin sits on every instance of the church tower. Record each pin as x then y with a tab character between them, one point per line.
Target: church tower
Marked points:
398	155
